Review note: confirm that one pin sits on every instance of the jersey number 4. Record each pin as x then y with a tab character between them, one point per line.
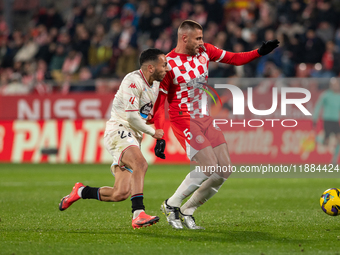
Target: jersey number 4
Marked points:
132	99
187	134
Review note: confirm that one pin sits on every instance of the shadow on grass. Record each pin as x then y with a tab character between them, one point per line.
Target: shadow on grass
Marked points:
224	236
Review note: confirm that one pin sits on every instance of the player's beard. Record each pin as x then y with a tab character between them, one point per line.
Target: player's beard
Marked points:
157	76
191	50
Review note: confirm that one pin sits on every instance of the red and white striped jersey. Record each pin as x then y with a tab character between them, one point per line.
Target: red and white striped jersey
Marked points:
183	85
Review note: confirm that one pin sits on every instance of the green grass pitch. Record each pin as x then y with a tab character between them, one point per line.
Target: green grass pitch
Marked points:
247	216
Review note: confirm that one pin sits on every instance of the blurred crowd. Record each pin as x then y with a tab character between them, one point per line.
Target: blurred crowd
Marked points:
92	45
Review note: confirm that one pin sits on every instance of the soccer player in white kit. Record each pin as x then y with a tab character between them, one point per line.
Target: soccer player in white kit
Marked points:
123	134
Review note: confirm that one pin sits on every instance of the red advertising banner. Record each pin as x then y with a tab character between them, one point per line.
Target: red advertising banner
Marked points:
98	106
81	141
56	106
277	144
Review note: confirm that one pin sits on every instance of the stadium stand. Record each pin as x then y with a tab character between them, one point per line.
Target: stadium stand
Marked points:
90	45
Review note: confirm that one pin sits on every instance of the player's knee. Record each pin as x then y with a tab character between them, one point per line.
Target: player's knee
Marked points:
140	165
143	165
211	160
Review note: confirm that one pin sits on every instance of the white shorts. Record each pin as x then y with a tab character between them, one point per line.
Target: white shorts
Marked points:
118	141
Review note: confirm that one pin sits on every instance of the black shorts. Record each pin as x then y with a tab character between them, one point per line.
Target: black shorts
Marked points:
331	127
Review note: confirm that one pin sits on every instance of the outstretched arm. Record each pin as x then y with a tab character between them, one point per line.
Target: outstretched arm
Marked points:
241	58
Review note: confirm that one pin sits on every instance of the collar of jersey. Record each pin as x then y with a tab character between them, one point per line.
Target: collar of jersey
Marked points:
182	54
141	72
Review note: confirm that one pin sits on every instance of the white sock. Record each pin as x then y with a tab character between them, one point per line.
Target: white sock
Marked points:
208	189
80	190
191	182
136	213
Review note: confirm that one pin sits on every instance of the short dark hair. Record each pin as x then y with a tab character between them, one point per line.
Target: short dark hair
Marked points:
190	24
149	55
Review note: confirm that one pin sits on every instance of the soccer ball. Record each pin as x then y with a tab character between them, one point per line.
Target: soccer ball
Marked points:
330	201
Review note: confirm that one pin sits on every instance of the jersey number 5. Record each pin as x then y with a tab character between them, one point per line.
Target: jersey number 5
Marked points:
187	134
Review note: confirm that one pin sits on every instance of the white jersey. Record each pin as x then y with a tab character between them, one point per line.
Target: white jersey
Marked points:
134	94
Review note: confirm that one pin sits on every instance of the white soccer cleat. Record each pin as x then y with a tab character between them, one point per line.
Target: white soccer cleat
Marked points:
172	215
189	222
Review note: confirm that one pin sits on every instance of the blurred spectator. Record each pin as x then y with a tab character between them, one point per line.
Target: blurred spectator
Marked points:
283	10
325	31
330	62
5	53
85	83
160	20
128	15
164	41
295	12
72	62
27	51
199	15
313	47
145	17
215	11
46	50
127	37
91	19
3	26
15	86
100	53
111	14
42	36
82	42
127	62
74	19
58	58
326	12
185	10
50	17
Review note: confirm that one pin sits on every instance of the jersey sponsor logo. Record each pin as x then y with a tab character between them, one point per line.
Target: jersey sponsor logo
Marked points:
146	109
202	60
199	139
197	82
132	99
133	86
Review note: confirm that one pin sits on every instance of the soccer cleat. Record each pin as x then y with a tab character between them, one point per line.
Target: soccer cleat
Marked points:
172	215
144	220
68	200
189	222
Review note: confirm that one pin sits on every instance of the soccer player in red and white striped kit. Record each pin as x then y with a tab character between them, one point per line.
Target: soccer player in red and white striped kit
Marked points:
191	124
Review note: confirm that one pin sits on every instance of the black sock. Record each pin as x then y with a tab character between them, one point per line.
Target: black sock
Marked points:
90	193
137	202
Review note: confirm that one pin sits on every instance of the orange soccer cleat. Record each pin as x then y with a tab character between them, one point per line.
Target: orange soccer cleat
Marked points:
68	200
144	220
